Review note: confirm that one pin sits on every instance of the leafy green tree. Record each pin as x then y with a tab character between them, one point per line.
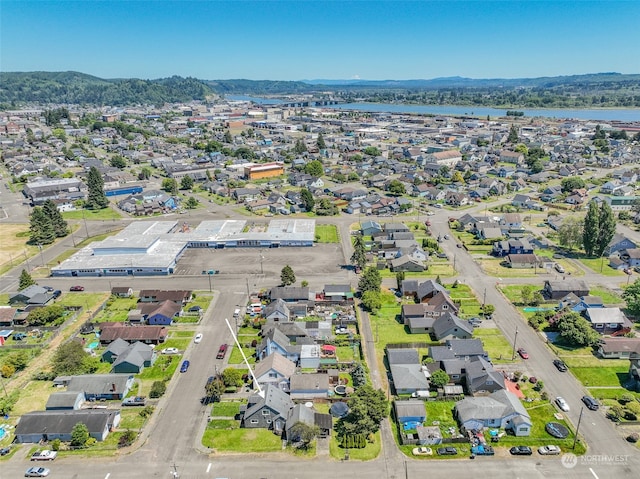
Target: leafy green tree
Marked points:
570	232
371	151
232	377
358	375
41	230
513	135
302	433
307	199
51	315
158	388
537	166
325	207
191	203
631	295
571	183
17	359
314	168
606	228
526	293
367	408
79	435
59	224
300	147
70	358
118	161
145	173
320	142
170	185
370	280
396	187
287	276
227	137
372	301
359	256
127	438
599	133
591	226
186	183
96	199
25	280
439	378
214	390
576	330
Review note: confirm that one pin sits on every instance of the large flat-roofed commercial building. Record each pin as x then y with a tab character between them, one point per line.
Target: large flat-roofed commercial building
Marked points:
152	248
264	170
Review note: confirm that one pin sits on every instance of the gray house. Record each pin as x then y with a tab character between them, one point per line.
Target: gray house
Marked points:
276	310
99	386
37	426
309	386
501	409
33	294
275	370
65	400
267	410
408	374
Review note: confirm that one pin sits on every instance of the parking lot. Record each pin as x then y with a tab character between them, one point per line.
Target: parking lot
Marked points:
323	259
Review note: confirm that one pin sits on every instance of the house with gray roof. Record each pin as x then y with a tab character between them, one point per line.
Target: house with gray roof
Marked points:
33	294
309	386
38	426
501	409
133	359
410	411
100	386
276	310
289	293
607	320
408	374
449	326
310	417
267	410
556	289
276	341
481	377
274	370
65	400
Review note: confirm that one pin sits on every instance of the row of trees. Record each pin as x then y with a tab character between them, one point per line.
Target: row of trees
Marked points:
594	233
46	224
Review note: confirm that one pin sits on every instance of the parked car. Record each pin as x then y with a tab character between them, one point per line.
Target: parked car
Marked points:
5	450
76	288
549	450
422	451
37	472
170	351
590	403
44	455
560	365
562	404
56	294
446	237
558	267
185	366
134	401
523	354
222	351
447	451
520	451
482	450
198	338
195	309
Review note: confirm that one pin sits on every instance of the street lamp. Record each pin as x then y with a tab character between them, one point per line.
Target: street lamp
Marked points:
41	257
209	273
515	338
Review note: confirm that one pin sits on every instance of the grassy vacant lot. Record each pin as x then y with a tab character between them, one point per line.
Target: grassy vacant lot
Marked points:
33	397
13	239
469	304
104	214
608	296
371	451
600	266
495	344
202	299
327	234
116	310
492	267
131	418
225	435
226	409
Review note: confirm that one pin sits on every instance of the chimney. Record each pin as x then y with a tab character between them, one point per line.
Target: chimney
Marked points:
113	387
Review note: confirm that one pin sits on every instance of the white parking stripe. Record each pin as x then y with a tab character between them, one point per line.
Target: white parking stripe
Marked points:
208	468
594	474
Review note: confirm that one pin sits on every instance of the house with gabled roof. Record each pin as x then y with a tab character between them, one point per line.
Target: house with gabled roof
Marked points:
408	374
481	378
619	242
34	294
618	348
309	416
276	341
309	386
129	358
274	370
289	293
268	410
501	409
556	289
276	311
131	333
608	320
181	297
38	426
161	313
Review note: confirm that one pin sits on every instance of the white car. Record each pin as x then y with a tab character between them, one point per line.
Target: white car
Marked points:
45	455
562	404
37	472
422	451
549	450
198	338
170	351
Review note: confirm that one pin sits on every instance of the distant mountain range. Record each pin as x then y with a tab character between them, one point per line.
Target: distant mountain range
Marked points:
73	87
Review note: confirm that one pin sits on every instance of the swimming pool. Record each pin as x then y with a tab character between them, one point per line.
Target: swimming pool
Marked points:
2	432
94	345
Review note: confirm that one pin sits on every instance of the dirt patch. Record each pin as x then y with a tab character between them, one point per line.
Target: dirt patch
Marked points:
13	239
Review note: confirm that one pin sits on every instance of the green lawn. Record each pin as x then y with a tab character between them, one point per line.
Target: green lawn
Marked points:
227	436
610	393
236	356
130	418
608	296
327	234
492	267
163	368
371	451
442	412
600	266
495	344
226	408
601	376
90	215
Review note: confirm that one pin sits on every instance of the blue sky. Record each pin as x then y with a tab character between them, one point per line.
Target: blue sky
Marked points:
304	39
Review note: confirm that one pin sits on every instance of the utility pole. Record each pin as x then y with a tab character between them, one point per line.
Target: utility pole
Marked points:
174	473
575	438
515	338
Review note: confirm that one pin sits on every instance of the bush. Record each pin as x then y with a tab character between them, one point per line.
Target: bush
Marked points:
633	437
158	388
127	438
626	398
55	444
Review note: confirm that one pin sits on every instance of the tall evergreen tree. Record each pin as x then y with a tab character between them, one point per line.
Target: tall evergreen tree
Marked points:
287	276
590	231
41	229
320	142
96	199
359	256
25	280
60	226
607	227
307	199
513	135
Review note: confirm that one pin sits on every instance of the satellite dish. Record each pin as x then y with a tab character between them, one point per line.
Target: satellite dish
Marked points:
308	404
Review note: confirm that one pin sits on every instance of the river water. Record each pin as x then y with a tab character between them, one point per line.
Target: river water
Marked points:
596	114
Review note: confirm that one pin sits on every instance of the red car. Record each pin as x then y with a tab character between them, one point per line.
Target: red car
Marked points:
76	288
221	352
523	354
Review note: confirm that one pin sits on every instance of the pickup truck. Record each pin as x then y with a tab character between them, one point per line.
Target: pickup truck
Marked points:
134	401
45	455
